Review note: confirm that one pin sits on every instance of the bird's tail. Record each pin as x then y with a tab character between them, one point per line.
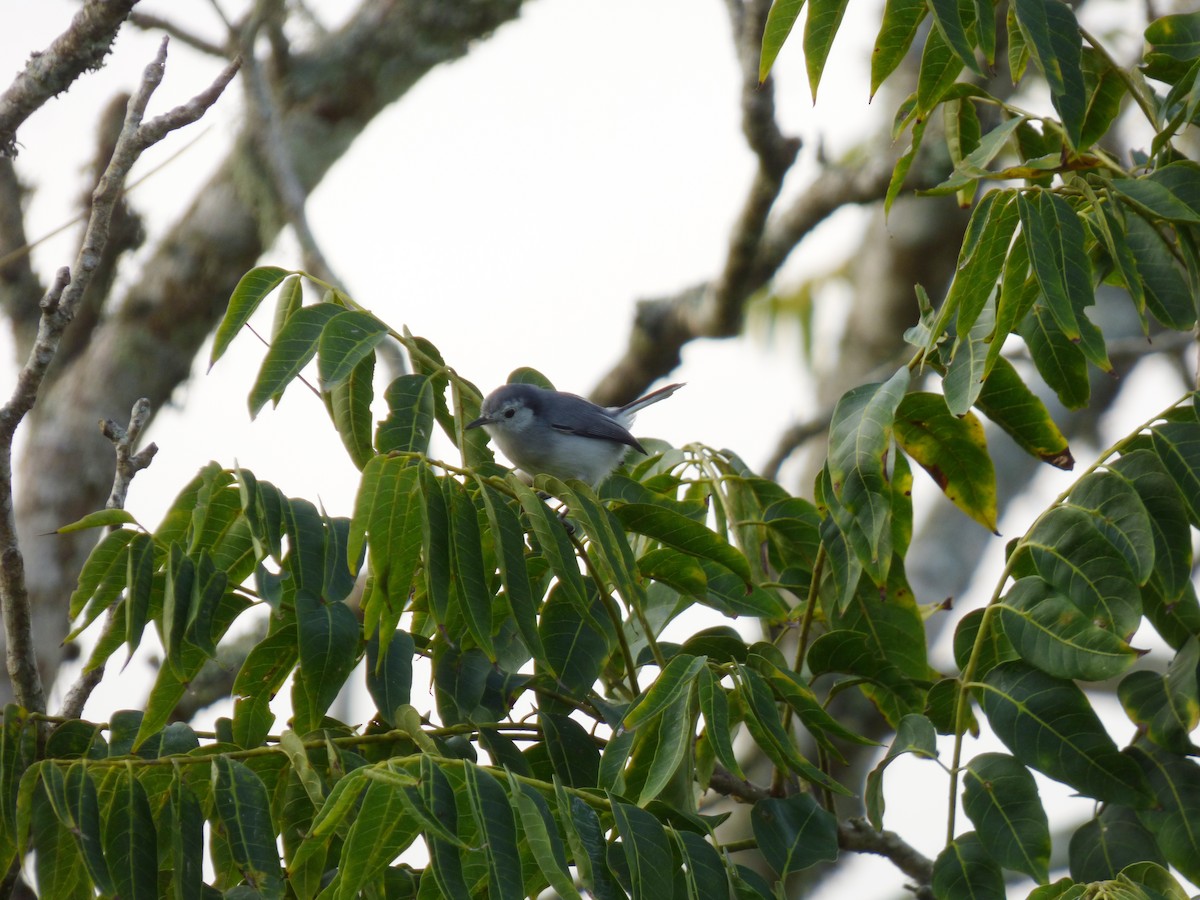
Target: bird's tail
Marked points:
653	397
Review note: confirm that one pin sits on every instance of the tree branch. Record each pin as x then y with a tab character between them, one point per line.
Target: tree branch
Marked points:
716	309
855	835
58	308
129	463
81	48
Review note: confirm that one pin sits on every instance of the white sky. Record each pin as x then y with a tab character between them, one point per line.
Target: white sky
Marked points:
511	208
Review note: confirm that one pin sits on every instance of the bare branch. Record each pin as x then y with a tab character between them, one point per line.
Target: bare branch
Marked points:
858	835
20	655
129	463
80	48
855	835
663	326
58	308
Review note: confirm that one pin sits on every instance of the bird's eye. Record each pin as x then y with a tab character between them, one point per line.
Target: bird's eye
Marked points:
509	413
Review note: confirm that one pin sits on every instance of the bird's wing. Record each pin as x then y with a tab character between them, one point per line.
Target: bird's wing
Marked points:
595	423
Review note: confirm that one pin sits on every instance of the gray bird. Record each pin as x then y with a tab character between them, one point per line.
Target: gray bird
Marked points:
560	434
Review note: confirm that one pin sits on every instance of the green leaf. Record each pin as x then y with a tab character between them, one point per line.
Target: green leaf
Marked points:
1001	799
940	68
1171	193
674	682
660	749
1071	553
576	646
1175	42
794	833
948	18
718	730
177	605
389	674
514	572
498	832
1178	446
1057	358
1164	283
1052	33
243	807
103	518
915	734
1008	401
330	645
130	840
820	28
964	869
1103	846
1056	239
1145	472
347	339
1052	633
291	298
555	546
964	376
1174	817
251	290
780	20
389	511
84	805
1120	515
350	409
1048	725
382	829
981	259
472	584
1166	708
860	438
901	21
952	450
58	866
542	838
139	588
704	869
409	423
647	852
103	577
766	726
1106	91
187	843
289	353
680	533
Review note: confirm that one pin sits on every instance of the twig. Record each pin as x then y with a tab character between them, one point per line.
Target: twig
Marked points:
58	308
855	835
124	440
81	48
129	463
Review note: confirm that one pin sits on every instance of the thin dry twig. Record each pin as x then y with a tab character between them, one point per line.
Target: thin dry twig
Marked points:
129	463
58	308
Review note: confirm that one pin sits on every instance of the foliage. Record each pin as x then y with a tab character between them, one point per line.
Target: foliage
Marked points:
569	742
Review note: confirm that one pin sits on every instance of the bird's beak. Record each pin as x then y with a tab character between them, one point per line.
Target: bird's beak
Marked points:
482	420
